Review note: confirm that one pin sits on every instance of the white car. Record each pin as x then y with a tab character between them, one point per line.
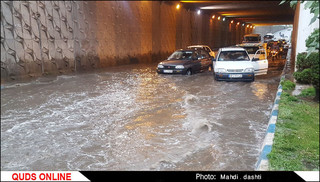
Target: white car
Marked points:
234	63
205	47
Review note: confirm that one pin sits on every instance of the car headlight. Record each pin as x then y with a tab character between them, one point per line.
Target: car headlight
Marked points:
179	67
250	70
221	70
160	66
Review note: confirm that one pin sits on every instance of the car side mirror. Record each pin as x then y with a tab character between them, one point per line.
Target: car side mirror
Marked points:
255	59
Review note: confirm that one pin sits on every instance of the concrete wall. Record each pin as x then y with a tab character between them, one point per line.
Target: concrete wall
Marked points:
305	29
52	37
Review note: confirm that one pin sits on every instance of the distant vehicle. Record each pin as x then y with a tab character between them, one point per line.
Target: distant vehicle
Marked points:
252	38
205	47
268	37
186	61
251	49
233	63
277	49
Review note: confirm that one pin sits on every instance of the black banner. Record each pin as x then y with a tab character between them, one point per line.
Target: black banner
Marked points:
192	176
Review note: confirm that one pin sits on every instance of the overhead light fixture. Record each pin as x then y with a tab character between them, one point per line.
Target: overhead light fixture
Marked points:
251	26
178	6
242	24
223	19
231	21
238	23
199	12
247	26
219	18
213	16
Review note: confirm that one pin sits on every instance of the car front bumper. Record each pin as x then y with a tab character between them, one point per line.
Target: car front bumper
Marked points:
234	76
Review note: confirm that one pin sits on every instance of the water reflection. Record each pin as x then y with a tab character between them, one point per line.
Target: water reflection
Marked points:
259	89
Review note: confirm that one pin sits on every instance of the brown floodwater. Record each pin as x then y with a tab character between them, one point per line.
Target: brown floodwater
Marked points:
131	118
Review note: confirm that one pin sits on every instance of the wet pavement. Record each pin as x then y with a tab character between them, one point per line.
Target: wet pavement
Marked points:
131	118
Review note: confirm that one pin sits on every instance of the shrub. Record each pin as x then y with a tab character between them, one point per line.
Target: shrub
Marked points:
308	70
308	92
288	85
303	76
292	98
304	62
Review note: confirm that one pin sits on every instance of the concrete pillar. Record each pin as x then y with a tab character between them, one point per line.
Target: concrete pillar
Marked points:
294	37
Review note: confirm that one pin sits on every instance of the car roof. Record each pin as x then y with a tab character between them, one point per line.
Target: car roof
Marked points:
232	49
186	49
249	45
198	46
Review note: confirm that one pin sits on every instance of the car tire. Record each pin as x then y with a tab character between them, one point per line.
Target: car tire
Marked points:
189	72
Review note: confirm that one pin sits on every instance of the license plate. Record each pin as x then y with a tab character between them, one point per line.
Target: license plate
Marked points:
167	71
235	76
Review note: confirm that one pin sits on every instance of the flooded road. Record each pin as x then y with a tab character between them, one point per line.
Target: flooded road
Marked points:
131	118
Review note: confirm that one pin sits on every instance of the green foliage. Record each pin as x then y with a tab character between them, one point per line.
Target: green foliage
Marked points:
314	9
292	98
313	45
308	92
293	3
308	69
312	39
312	42
296	142
302	62
287	85
303	76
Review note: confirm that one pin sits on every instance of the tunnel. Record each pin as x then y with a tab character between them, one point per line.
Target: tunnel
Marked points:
45	38
81	87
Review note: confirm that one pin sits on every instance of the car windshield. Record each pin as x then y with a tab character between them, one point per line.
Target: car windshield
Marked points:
251	39
181	55
233	56
251	50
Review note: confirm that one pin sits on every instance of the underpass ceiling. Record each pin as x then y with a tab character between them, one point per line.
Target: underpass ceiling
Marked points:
257	13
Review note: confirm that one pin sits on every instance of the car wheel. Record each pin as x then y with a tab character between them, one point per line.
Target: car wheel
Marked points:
189	72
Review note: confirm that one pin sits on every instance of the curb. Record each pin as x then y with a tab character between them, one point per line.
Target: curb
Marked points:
263	162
